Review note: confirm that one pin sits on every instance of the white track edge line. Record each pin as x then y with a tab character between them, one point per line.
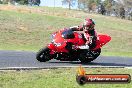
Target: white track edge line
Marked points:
55	67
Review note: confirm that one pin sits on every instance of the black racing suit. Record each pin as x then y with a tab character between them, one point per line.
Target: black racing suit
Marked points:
92	33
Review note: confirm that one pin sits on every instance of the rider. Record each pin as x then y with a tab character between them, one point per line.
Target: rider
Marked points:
88	28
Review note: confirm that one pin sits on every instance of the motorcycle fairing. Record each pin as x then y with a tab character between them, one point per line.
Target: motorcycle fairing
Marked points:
59	42
102	39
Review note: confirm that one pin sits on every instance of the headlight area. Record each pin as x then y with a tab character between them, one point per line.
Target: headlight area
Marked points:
57	44
52	37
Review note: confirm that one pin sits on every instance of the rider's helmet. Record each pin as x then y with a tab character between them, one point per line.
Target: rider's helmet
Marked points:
88	24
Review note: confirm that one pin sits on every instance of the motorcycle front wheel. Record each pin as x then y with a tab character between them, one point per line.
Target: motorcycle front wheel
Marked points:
43	55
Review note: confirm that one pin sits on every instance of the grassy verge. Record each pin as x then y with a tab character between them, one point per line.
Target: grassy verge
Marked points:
121	54
56	78
29	28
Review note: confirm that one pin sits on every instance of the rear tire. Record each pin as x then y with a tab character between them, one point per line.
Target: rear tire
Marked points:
88	56
43	55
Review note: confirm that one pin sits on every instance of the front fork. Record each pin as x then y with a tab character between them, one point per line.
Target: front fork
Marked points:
52	48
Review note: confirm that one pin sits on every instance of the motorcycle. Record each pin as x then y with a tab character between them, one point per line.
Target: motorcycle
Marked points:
61	47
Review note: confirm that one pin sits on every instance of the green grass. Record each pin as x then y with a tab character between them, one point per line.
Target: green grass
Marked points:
121	54
28	31
56	78
31	30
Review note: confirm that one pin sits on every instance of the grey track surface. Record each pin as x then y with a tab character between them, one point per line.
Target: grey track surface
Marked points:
27	59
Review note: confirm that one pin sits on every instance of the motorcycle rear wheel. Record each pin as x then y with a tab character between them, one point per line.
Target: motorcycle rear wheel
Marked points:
43	55
88	56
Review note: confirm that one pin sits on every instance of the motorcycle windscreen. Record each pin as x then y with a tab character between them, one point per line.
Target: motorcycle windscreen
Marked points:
102	40
68	34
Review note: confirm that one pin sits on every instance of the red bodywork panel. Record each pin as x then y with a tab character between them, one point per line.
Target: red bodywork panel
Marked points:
58	44
102	39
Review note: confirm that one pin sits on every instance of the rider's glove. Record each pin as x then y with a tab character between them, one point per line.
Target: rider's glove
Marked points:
90	39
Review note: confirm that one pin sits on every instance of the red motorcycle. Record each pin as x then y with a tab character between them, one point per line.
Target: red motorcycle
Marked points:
61	47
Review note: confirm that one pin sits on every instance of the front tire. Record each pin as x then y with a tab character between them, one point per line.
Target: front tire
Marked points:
43	55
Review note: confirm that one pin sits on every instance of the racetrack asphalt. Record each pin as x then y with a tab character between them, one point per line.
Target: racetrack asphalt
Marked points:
26	59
